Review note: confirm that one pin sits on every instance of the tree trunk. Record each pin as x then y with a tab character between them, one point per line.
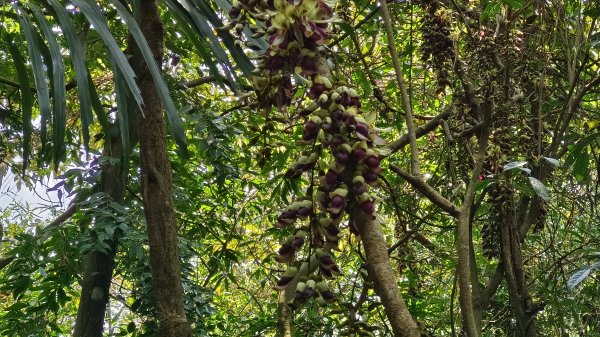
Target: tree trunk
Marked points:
156	187
384	279
284	317
97	266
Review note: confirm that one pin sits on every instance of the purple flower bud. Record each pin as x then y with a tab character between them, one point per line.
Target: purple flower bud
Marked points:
325	272
326	261
342	157
235	12
372	162
285	219
299	296
283	282
359	188
275	62
311	130
316	90
355	101
304	212
337	201
337	114
332	231
370	177
338	140
308	64
331	177
362	131
368	207
327	296
359	153
298	242
345	100
310	292
285	249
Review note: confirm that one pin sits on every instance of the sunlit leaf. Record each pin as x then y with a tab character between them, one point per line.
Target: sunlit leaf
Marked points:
539	188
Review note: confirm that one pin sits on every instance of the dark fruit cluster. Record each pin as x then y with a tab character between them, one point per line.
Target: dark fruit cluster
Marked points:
437	48
339	135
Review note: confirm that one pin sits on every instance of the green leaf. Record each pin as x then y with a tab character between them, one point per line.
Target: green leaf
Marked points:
578	277
228	41
539	188
514	165
163	91
59	93
513	3
490	10
26	98
94	16
581	166
82	78
552	161
37	65
593	12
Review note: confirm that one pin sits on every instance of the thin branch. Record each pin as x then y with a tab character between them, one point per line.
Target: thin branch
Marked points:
428	191
414	150
404	140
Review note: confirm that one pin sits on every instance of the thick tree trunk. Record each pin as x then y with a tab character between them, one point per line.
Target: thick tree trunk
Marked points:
156	186
384	278
97	266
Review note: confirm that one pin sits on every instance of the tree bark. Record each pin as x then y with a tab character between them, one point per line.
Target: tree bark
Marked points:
97	266
284	317
384	279
156	187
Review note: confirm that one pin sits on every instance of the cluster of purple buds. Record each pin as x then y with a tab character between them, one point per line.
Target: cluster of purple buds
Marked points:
312	288
299	209
291	245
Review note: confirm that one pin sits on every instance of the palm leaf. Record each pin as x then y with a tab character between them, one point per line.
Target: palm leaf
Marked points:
37	66
183	20
94	16
123	119
199	21
59	93
161	86
78	59
26	98
237	53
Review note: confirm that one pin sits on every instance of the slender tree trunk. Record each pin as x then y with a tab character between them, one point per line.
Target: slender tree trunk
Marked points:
97	266
284	317
384	278
156	187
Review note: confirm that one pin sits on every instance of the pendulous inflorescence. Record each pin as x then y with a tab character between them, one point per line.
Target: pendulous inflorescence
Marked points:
341	159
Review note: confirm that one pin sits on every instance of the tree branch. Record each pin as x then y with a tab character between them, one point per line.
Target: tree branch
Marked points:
428	191
404	140
410	124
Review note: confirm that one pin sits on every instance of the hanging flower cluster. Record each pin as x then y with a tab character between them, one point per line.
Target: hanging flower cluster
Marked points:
338	133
